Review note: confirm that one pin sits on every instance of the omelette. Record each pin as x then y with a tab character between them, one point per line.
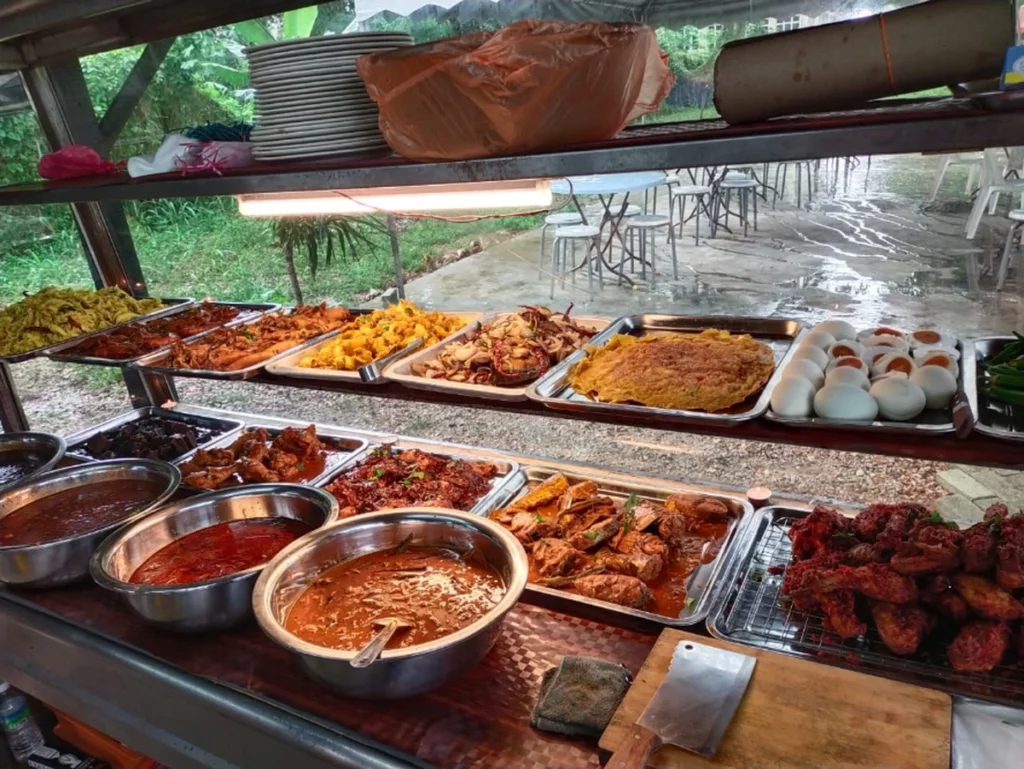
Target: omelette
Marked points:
711	371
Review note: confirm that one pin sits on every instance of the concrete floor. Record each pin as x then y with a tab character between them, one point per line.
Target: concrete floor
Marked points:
868	249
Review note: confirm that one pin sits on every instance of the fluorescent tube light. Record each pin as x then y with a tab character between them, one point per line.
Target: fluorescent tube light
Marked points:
524	194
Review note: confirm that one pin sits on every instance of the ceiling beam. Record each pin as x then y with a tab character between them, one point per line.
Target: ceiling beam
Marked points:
131	92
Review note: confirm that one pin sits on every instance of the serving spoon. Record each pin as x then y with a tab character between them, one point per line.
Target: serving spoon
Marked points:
388	627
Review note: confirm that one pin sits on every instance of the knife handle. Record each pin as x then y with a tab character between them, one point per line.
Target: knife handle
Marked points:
635	749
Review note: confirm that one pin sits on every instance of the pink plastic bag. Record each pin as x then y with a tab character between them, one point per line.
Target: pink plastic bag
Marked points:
75	162
532	86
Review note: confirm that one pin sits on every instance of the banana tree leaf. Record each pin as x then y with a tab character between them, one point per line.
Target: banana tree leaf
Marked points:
253	32
223	75
298	23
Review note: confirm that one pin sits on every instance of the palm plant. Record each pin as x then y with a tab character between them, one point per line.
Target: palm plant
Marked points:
323	236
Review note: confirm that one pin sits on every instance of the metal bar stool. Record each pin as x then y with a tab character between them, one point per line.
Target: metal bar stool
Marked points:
801	166
554	220
677	203
564	248
746	189
646	226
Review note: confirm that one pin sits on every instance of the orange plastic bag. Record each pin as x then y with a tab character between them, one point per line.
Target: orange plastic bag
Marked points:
534	85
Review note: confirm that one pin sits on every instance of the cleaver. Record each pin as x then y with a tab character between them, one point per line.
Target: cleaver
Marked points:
693	706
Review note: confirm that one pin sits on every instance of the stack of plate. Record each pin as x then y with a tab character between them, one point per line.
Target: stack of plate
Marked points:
309	100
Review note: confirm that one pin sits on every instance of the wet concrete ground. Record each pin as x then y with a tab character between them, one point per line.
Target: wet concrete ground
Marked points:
868	249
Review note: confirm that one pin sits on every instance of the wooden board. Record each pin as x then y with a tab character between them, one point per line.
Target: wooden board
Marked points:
800	714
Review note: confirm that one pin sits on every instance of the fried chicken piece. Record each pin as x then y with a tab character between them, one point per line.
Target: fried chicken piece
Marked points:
996	513
900	627
210	478
937	592
801	574
812	534
930	547
979	647
1010	555
876	580
862	554
250	435
615	588
555	557
639	565
841	612
640	542
898	526
207	458
870	522
302	443
985	598
979	549
252	471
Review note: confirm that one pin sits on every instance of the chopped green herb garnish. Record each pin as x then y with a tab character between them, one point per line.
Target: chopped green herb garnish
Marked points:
631	501
378	472
934	518
690	603
380	451
539	518
591	535
246	333
300	466
419	475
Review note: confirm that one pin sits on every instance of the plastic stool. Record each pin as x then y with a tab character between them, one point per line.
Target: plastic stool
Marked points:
646	226
566	238
677	201
554	220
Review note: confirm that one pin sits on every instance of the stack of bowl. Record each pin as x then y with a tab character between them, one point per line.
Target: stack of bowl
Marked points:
309	100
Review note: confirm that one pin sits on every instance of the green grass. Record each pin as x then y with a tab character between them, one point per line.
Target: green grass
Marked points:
204	248
668	114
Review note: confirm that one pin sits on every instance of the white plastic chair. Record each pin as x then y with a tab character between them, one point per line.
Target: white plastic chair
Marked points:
563	250
1016	223
992	184
555	220
974	165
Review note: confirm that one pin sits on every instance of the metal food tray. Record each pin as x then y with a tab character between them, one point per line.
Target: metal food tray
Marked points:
228	427
63	352
780	334
151	363
344	442
508	470
172	305
371	374
701	584
402	371
934	421
999	420
751	610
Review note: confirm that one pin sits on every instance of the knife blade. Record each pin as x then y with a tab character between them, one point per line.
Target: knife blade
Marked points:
693	706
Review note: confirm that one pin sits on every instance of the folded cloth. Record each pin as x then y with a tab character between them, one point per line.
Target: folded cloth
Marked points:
579	697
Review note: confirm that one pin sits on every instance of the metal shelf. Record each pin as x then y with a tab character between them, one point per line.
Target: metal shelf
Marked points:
930	126
977	449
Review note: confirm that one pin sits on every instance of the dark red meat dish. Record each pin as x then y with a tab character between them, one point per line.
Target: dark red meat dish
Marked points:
395	478
916	575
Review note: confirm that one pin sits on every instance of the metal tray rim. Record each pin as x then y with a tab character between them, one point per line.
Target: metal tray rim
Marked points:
178	301
145	363
246	315
401	370
708	597
556	378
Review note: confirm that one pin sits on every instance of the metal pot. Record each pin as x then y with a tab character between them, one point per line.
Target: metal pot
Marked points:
52	447
66	560
215	604
401	672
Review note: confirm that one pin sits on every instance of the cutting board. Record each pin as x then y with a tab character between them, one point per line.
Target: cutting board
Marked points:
800	714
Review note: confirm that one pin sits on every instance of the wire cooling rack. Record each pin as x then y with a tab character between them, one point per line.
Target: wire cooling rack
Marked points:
753	611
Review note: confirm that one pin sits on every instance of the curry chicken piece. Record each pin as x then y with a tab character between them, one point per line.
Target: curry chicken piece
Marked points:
615	588
555	557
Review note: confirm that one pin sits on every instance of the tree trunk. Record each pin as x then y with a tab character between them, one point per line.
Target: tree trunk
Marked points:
289	263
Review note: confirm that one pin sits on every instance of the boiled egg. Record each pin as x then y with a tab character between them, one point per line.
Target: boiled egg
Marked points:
814	354
938	384
845	349
849	361
899	399
793	397
819	338
884	340
848	376
872	355
846	402
946	359
894	362
805	369
930	337
880	331
840	329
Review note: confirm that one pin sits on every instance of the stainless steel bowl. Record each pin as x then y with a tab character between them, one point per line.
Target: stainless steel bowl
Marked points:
217	603
52	447
397	672
66	560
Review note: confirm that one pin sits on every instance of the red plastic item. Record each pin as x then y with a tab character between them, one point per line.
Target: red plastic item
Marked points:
98	745
75	162
532	86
